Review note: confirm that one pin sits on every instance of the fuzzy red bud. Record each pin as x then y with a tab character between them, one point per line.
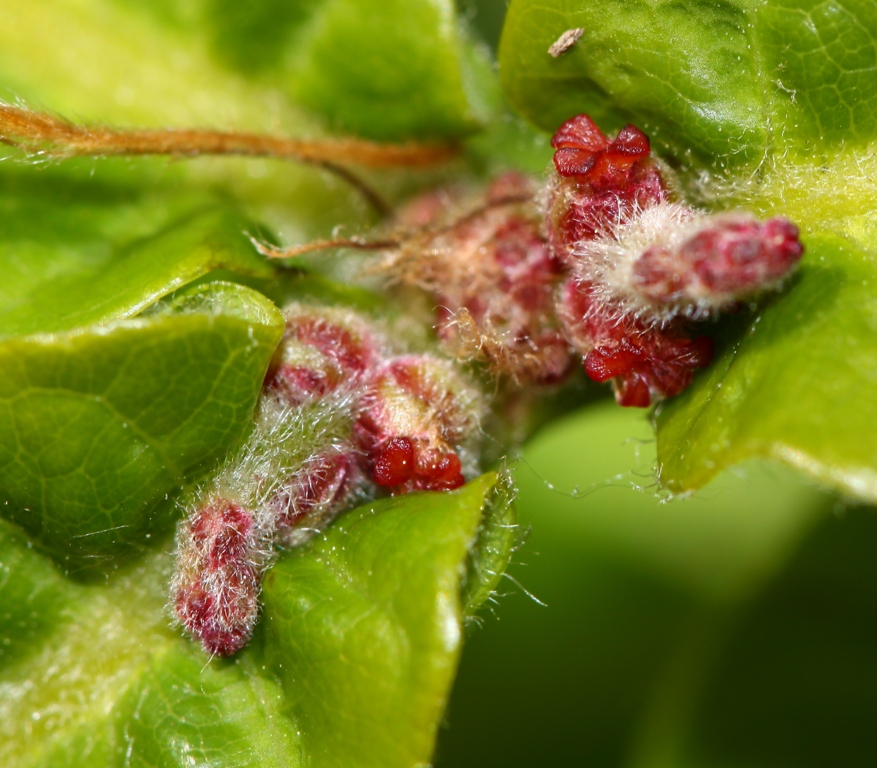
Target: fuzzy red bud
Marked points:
216	588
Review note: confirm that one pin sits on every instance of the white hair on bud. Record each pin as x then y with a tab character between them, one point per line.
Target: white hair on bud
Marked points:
283	443
607	261
279	451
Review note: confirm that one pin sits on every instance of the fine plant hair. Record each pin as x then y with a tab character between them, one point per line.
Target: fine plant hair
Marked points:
607	261
280	449
284	442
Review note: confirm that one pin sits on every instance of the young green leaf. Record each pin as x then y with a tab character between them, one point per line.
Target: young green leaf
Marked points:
363	627
76	253
717	83
361	636
99	425
776	389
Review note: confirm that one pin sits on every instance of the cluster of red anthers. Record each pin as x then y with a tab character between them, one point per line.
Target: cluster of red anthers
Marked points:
603	264
409	411
341	417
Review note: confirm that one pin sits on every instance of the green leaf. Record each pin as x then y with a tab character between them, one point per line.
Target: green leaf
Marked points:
77	252
820	62
353	666
490	553
791	386
222	714
100	424
363	627
33	596
731	81
352	62
249	65
131	64
370	74
88	61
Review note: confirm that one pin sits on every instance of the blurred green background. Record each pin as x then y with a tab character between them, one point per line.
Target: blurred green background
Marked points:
736	627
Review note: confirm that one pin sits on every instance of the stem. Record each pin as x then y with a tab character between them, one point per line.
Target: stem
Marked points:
322	245
51	136
421	236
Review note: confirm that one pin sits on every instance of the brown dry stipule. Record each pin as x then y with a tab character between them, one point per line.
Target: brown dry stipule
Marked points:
359	243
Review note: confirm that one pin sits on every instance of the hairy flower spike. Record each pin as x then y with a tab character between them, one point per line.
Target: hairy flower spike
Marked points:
727	258
669	261
603	263
341	417
216	587
493	278
639	265
583	151
286	482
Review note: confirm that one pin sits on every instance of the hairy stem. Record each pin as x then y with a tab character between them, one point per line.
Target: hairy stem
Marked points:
49	136
52	136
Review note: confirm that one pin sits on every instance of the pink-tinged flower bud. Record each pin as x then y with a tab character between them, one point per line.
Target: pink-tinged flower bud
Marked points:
322	348
296	470
417	422
670	260
216	586
599	182
729	257
324	485
492	278
507	320
645	362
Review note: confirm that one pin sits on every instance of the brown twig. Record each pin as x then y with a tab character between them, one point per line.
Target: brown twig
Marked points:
404	239
323	245
55	137
48	136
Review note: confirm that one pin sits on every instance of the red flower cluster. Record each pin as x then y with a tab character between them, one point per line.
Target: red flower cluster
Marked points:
341	417
409	412
602	264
